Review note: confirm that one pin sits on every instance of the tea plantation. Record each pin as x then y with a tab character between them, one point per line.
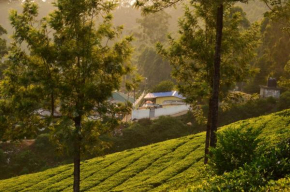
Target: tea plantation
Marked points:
170	165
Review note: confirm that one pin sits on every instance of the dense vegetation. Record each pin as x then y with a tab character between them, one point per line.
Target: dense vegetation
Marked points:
43	153
255	10
273	53
253	163
39	75
168	165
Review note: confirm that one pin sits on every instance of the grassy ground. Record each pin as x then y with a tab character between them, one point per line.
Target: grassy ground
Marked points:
162	166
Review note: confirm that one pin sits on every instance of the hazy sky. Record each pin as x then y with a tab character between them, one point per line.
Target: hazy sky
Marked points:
45	7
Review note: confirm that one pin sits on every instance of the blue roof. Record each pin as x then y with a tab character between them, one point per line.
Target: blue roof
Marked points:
164	94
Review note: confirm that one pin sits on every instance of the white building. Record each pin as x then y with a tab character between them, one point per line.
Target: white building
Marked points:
271	90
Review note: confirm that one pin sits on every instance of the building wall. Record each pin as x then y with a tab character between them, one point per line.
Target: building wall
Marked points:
160	100
171	110
146	113
269	93
140	114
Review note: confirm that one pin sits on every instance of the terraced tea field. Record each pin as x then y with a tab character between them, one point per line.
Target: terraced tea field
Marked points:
162	166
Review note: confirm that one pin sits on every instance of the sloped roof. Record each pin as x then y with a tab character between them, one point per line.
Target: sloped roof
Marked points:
121	97
163	94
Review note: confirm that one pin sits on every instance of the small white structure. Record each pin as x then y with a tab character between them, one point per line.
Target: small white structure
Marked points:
271	90
150	113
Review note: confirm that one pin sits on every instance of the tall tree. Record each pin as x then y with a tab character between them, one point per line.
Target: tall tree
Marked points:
277	33
273	53
152	66
285	80
279	10
163	86
3	50
153	28
70	69
3	66
213	12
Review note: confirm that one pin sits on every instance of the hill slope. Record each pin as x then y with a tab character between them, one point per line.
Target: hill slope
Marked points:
162	166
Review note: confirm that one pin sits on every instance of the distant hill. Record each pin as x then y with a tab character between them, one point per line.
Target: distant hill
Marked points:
162	166
255	10
122	16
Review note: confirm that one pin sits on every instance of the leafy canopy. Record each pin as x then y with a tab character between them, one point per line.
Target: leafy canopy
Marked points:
153	28
69	71
192	54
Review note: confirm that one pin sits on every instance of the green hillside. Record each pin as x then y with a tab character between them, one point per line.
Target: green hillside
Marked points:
163	166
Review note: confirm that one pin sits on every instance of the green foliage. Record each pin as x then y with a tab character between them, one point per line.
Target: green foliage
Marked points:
120	171
192	54
3	161
169	127
142	133
146	132
280	185
16	160
237	98
27	162
163	86
139	134
3	47
247	178
245	23
153	67
171	165
262	172
44	148
3	66
273	52
252	108
279	10
153	27
68	71
235	147
285	81
42	142
274	161
284	101
254	9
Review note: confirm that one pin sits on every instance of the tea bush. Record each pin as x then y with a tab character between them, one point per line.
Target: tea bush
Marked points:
175	164
262	172
235	147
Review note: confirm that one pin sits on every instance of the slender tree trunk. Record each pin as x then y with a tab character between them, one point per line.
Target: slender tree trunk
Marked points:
77	155
52	104
216	78
134	95
208	132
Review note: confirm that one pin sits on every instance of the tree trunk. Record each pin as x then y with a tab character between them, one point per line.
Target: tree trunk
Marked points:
208	132
77	154
134	96
216	78
52	104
